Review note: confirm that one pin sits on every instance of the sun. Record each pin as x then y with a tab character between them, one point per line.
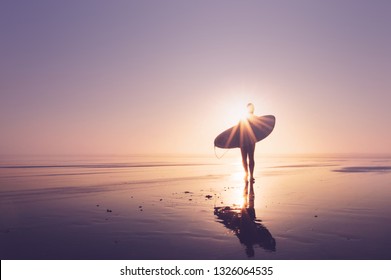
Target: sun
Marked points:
234	108
239	113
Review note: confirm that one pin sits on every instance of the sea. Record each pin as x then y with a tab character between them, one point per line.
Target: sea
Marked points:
168	207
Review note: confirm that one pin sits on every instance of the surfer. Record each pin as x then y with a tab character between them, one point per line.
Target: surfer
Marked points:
247	147
244	135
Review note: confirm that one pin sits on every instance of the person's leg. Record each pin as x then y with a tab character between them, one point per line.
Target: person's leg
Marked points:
251	161
244	152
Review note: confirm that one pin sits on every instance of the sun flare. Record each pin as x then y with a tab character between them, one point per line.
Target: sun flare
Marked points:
238	114
238	176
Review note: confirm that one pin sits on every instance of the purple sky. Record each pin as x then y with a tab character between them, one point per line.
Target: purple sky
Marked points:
122	77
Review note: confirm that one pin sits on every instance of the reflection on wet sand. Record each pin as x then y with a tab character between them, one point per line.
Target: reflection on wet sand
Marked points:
242	221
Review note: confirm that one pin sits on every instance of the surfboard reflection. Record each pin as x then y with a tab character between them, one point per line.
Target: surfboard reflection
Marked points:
242	221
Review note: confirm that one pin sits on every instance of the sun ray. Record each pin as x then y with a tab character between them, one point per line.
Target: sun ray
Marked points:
247	135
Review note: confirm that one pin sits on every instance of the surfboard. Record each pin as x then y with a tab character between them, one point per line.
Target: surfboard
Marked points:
249	131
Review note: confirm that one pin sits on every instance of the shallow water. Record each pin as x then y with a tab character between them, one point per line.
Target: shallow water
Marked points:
188	207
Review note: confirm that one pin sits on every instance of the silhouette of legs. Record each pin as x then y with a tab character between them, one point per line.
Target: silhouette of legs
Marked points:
243	150
251	161
248	151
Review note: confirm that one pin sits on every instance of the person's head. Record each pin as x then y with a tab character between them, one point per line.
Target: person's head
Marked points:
250	108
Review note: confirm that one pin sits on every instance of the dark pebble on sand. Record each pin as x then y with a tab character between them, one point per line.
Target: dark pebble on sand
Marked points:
109	210
208	196
161	199
97	205
316	216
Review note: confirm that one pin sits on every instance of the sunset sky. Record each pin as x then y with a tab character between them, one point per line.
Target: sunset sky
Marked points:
125	77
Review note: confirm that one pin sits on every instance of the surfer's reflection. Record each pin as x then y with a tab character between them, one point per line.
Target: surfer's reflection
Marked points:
243	223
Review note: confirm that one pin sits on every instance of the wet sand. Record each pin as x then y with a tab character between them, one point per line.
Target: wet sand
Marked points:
307	207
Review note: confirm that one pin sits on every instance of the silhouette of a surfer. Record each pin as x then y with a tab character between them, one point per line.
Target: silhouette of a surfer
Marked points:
244	135
247	145
242	221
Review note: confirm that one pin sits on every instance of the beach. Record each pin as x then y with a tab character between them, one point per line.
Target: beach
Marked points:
192	207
